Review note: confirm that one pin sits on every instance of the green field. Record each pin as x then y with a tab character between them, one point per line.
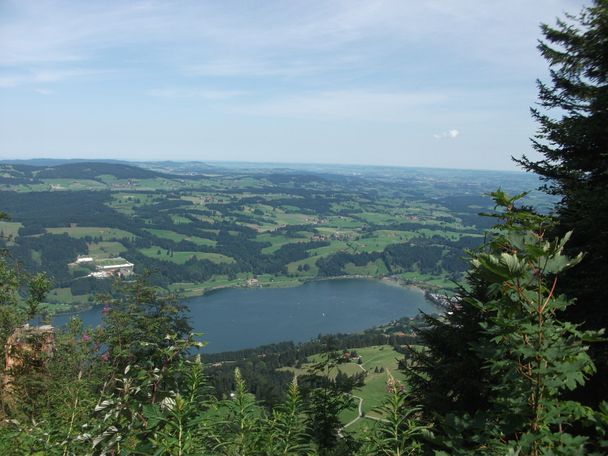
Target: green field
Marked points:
178	237
73	184
375	268
181	257
106	249
373	393
79	232
277	241
9	229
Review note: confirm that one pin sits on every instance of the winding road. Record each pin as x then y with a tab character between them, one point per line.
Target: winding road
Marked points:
360	414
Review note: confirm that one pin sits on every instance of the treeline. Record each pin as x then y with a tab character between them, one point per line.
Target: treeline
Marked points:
428	256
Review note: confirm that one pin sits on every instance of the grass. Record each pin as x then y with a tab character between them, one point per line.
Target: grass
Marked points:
179	220
374	390
9	229
292	268
182	257
79	232
277	241
59	295
73	184
375	268
127	202
178	237
380	239
106	249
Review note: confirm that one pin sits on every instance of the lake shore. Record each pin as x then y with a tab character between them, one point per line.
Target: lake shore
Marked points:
202	289
296	282
239	318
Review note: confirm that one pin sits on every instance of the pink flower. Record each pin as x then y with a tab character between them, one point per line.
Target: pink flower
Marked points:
86	337
105	357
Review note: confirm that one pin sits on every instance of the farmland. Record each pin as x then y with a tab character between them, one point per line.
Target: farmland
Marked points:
282	227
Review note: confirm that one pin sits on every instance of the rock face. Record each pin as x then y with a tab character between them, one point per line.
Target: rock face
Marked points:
27	349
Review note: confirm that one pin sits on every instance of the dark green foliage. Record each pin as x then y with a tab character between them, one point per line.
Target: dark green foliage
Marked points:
325	401
95	169
139	321
521	355
573	143
532	353
399	433
448	375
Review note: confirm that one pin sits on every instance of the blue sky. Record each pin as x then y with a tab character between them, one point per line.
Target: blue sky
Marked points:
439	83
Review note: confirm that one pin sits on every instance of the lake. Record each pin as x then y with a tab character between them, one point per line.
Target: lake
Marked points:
237	318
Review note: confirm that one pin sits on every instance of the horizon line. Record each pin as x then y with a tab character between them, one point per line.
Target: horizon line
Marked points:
362	165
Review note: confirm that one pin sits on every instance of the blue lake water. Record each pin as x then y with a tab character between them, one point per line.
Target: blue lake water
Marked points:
233	319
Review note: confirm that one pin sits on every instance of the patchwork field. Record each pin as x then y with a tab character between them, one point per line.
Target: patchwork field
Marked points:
287	226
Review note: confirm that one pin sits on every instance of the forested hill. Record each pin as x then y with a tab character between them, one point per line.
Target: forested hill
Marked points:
84	170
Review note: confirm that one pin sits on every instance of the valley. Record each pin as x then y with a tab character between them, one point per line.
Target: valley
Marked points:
224	227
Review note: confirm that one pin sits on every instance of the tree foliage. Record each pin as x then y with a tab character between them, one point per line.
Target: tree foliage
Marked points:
573	140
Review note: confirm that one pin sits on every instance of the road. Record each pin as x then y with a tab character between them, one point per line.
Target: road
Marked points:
360	414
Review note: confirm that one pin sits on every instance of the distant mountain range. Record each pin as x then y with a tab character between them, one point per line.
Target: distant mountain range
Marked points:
45	168
79	170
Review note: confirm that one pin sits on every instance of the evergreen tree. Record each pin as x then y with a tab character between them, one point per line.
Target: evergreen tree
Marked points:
531	356
325	403
140	319
447	376
574	146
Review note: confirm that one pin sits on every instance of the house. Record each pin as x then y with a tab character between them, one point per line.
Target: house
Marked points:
84	259
115	266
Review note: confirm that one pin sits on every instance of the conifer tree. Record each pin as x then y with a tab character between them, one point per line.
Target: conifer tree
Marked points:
573	141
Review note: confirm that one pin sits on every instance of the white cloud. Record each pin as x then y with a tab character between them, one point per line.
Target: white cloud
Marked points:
449	134
293	35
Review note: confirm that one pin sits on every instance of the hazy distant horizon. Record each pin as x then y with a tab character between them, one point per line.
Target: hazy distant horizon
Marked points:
259	163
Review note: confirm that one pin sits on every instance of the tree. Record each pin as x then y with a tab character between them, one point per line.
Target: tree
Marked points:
140	319
527	356
533	355
325	402
574	146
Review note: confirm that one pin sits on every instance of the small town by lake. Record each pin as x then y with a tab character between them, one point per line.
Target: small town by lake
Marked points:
237	318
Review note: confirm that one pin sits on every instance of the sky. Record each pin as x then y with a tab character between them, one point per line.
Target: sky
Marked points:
433	83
